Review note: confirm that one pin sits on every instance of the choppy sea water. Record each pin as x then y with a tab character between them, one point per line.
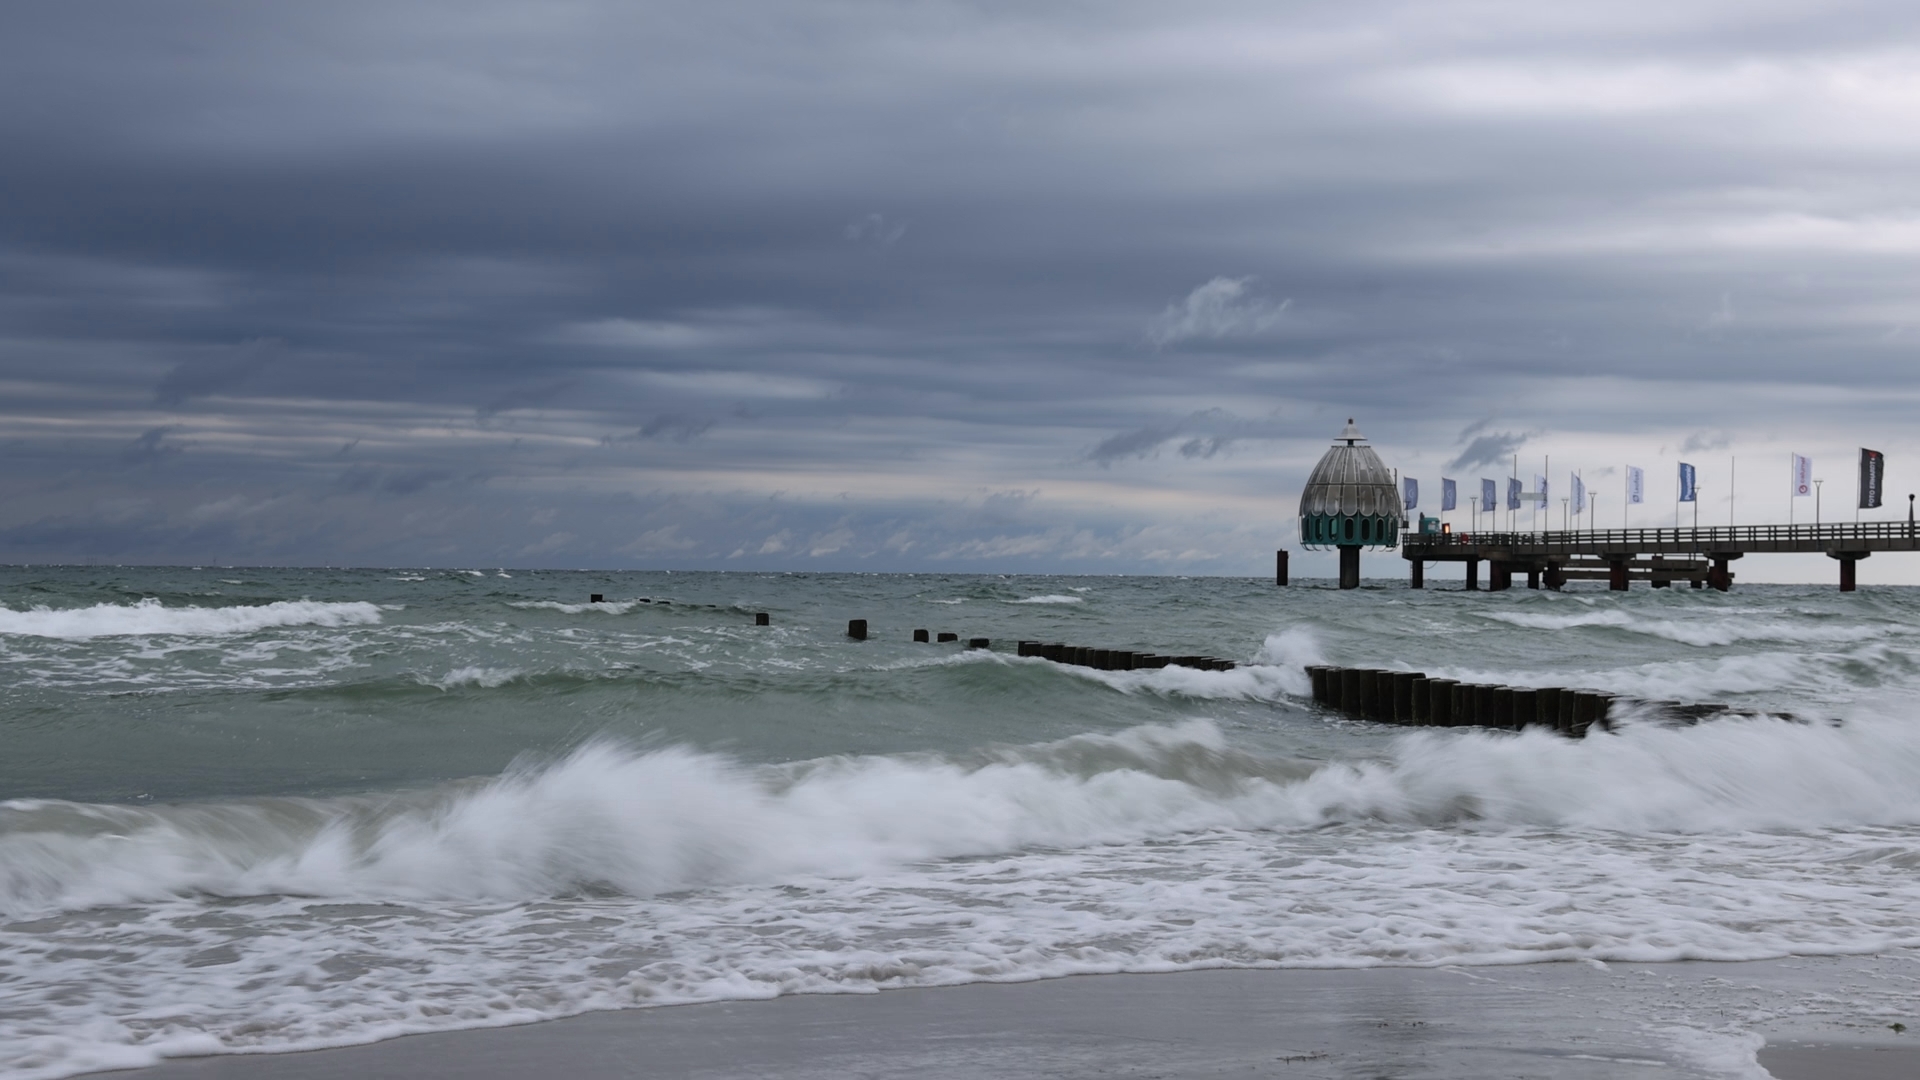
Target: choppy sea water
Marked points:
260	810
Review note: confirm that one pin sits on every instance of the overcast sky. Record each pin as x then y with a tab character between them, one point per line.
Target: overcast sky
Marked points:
1074	287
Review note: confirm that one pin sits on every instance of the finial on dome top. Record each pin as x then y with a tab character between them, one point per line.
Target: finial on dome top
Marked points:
1352	434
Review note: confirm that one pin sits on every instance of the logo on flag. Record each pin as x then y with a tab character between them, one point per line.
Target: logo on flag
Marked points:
1873	470
1513	493
1488	494
1579	495
1686	482
1410	492
1636	485
1449	498
1802	476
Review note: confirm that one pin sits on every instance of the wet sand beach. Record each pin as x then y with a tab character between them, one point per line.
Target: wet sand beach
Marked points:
1569	1021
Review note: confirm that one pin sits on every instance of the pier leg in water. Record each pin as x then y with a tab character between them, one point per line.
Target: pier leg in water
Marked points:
1473	575
1499	576
1280	568
1720	577
1847	561
1533	577
1556	576
1419	574
1349	567
1617	574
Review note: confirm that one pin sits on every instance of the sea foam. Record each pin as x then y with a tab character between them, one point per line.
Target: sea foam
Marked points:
150	617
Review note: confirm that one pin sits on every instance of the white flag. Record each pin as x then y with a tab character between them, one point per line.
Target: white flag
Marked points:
1636	485
1540	490
1579	495
1802	476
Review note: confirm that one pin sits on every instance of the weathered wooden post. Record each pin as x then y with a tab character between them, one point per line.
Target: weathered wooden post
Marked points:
857	629
1473	575
1440	701
979	643
1421	708
945	635
1546	712
1280	568
921	636
1501	713
1350	691
761	618
596	598
1463	700
1484	714
1368	694
1525	707
1317	678
1403	695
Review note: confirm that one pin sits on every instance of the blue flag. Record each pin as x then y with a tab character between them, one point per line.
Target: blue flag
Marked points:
1488	494
1513	493
1686	482
1449	498
1410	492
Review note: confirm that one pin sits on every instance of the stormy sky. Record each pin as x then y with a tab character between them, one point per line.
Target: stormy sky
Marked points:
1081	287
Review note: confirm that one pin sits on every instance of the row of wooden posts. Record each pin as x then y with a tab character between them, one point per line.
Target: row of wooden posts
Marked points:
1410	697
1118	659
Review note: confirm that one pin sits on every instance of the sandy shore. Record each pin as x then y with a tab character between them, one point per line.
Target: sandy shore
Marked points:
1564	1021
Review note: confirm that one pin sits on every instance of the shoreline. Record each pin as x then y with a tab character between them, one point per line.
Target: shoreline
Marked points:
1560	1020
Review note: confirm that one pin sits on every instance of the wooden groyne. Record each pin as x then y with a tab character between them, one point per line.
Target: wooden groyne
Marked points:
1411	698
1118	659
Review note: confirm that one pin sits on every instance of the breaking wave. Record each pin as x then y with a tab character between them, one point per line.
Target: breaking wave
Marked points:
150	617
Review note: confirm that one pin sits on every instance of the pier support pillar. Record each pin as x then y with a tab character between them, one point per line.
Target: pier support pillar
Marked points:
1499	575
1419	571
1473	575
1718	576
1659	582
1617	574
1556	576
1349	567
1847	561
1280	568
1533	577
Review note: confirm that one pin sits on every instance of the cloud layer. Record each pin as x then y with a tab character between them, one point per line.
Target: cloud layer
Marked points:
946	286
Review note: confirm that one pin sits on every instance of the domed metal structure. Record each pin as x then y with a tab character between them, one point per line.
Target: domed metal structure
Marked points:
1351	501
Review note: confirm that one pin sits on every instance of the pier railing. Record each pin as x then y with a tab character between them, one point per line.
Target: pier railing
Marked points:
1842	536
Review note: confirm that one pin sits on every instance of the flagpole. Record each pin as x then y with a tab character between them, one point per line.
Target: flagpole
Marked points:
1732	464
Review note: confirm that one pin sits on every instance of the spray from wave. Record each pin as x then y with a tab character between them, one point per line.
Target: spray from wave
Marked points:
150	617
644	822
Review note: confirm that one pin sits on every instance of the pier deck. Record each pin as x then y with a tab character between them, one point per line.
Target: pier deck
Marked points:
1617	554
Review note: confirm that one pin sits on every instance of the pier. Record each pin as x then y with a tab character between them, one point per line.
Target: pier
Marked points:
1700	556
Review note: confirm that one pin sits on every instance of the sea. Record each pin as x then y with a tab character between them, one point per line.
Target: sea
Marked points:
252	810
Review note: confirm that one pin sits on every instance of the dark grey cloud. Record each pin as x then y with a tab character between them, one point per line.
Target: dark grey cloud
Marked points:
1493	448
778	285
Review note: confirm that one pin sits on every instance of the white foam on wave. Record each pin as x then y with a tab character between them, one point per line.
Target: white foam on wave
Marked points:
605	607
150	617
1708	629
484	677
677	818
1053	598
619	877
